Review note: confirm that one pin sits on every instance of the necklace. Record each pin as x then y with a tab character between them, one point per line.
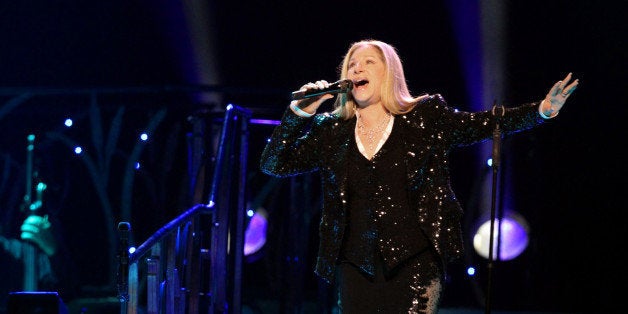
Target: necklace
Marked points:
372	133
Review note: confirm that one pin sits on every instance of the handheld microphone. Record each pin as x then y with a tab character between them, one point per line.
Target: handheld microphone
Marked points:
342	86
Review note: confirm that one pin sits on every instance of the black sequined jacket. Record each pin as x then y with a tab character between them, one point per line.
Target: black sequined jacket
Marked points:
429	132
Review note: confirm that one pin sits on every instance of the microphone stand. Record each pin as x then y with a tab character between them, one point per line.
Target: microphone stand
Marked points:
498	113
30	279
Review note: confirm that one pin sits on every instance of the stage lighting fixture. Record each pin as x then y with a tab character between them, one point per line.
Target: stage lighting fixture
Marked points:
513	238
255	233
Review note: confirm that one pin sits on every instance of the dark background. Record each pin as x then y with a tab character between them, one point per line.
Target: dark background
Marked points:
568	176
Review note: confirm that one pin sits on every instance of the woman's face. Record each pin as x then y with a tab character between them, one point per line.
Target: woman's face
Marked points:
366	69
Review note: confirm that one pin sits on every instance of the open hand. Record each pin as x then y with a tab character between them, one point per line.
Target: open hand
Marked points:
558	94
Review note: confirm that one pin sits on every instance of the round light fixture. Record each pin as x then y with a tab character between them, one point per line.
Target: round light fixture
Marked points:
512	232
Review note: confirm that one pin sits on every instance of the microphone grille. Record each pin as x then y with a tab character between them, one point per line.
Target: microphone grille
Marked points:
346	85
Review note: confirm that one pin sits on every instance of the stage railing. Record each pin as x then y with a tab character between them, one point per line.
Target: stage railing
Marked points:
193	264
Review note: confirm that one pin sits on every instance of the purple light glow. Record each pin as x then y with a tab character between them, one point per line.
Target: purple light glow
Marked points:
265	121
255	234
513	238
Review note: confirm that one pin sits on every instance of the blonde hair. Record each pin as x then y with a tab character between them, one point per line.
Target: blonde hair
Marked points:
396	97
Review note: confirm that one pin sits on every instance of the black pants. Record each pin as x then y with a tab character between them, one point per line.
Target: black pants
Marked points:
412	287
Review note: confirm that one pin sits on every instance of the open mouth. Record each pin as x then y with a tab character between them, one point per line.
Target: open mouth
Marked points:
360	83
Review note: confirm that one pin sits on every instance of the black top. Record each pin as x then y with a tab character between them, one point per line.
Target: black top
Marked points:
380	219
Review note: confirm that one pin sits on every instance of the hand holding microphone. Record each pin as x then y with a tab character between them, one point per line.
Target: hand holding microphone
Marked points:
321	88
37	230
316	93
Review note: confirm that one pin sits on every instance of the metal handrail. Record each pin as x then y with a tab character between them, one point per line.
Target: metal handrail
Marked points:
127	283
167	229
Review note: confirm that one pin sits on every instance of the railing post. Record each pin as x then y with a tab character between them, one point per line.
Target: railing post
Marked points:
123	268
133	302
227	193
153	267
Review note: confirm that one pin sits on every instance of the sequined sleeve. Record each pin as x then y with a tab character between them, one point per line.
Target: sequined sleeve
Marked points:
461	128
294	146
